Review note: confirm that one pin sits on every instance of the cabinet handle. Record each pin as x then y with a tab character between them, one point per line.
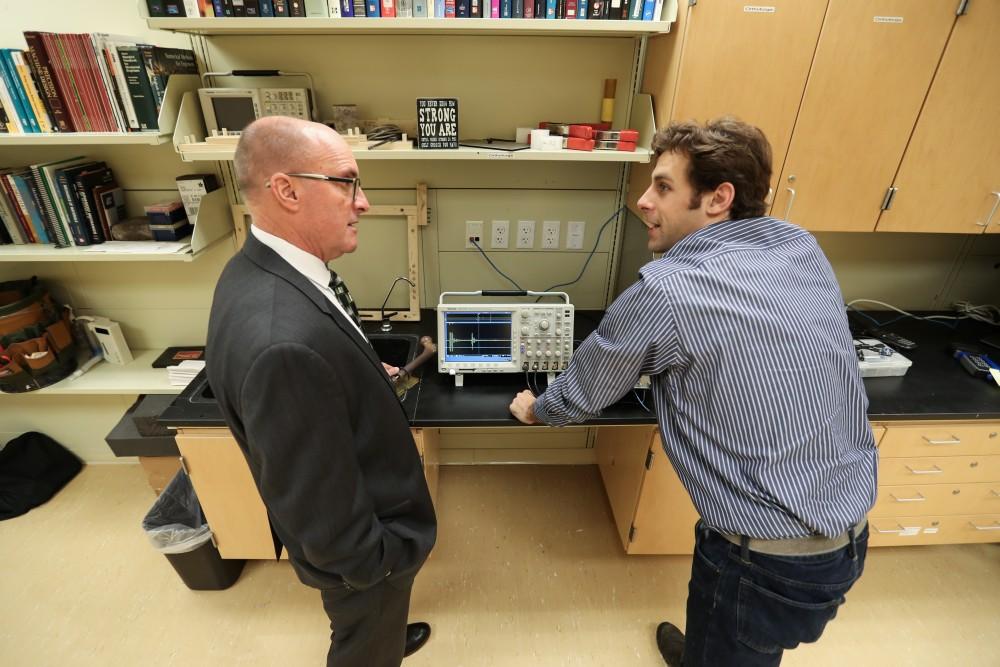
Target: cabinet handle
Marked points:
995	526
184	467
935	471
791	200
215	543
899	530
955	440
994	492
989	218
919	499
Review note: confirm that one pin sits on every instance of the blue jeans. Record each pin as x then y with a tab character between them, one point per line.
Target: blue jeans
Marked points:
745	608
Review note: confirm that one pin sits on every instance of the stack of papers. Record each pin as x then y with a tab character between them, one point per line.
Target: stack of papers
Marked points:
182	374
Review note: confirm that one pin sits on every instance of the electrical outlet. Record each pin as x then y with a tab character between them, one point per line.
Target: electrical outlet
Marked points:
525	233
550	234
500	234
575	230
473	230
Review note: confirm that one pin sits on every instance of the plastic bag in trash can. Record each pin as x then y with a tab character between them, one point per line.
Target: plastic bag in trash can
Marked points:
175	523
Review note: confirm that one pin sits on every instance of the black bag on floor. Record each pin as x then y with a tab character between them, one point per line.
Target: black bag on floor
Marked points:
33	467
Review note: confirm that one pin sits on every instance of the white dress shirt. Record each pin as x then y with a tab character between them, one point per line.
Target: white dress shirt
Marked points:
310	266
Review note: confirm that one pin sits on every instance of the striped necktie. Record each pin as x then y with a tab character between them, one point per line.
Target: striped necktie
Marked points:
343	295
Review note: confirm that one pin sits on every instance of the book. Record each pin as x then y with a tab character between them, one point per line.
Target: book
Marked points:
110	202
23	186
9	221
280	7
87	78
373	8
317	9
266	8
192	187
156	8
404	9
165	61
20	215
38	60
252	8
66	189
359	8
462	9
86	182
22	108
139	87
388	9
333	7
296	8
239	8
13	118
106	86
31	90
420	9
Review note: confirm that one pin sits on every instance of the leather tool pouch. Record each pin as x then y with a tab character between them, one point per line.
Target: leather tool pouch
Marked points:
36	336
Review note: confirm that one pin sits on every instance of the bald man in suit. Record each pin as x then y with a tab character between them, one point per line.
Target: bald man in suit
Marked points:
311	406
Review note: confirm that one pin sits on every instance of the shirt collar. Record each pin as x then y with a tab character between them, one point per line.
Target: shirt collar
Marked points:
311	266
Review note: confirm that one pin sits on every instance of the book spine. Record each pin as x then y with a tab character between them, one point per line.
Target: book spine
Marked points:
517	9
58	231
10	220
20	214
28	83
280	8
21	106
84	82
138	87
647	10
13	121
64	83
252	8
155	81
571	9
388	9
38	59
121	87
28	203
34	191
266	8
68	69
296	8
80	236
106	85
93	227
219	8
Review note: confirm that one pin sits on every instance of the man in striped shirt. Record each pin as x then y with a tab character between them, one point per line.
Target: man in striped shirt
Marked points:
741	327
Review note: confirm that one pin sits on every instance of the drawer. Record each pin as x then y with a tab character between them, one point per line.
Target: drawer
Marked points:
936	499
945	440
911	530
938	470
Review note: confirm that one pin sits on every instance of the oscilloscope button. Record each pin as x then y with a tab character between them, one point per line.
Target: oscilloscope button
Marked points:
543	325
525	331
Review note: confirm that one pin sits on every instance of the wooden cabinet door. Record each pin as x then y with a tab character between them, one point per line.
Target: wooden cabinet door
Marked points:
740	61
227	493
621	457
427	441
949	180
664	518
872	69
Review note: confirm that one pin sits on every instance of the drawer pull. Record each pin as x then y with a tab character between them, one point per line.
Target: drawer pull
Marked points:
994	492
898	530
935	471
995	526
919	499
954	441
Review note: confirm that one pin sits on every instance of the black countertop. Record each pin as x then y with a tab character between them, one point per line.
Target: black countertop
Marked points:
935	387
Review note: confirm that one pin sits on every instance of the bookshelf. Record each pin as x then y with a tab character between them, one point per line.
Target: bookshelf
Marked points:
85	138
406	26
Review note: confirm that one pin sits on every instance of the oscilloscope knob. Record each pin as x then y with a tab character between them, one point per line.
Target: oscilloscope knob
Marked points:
525	331
543	325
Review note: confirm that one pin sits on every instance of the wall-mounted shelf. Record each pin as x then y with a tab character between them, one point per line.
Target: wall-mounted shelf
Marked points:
214	223
407	26
84	138
137	377
202	152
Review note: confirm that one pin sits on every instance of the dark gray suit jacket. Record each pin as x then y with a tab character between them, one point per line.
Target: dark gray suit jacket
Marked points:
315	414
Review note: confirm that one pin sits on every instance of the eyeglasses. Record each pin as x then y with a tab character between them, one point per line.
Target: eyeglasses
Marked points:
355	181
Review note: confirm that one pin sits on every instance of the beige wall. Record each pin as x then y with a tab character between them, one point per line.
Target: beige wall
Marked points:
161	304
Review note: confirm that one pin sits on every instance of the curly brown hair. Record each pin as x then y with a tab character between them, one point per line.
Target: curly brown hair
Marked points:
722	150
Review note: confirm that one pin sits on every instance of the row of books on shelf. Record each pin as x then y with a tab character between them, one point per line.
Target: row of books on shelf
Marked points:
68	202
69	82
636	10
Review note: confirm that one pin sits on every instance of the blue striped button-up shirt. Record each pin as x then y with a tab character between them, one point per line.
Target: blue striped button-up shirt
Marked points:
741	327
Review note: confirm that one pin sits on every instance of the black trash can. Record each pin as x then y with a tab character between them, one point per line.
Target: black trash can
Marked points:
176	527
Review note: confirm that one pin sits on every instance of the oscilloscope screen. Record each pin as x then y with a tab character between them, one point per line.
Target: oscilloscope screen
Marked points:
472	337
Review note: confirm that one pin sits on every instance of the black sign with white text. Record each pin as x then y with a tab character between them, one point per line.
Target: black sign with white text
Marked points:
437	122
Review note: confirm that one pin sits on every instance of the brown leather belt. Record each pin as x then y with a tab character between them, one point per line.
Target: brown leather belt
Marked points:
800	546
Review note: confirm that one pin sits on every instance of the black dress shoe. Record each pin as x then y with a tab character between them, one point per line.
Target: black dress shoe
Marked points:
417	635
670	641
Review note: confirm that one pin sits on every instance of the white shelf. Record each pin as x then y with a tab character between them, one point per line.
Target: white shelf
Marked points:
84	138
407	26
207	152
34	252
137	377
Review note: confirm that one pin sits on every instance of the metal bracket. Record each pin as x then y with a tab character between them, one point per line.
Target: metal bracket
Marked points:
890	195
963	8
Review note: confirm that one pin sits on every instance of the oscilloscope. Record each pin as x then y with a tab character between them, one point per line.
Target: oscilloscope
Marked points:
504	337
